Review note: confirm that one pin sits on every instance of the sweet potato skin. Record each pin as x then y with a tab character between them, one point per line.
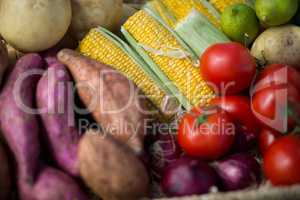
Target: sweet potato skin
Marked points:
112	99
20	128
111	168
21	131
53	184
54	99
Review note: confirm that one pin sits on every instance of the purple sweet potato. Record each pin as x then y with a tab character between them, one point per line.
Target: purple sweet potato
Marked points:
52	184
54	99
50	56
19	126
110	96
5	174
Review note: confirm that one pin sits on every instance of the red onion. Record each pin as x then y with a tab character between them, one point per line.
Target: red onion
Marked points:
244	140
238	172
163	151
187	176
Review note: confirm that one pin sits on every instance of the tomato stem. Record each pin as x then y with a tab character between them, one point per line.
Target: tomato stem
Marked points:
201	119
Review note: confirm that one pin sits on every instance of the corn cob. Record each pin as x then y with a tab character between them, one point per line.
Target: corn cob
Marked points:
196	37
180	9
102	46
220	5
199	38
164	53
161	10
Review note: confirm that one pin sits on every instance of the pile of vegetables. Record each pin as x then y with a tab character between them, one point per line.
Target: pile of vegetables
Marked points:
195	97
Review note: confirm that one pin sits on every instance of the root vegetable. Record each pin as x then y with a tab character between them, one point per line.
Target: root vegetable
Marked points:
55	101
111	169
89	14
19	127
128	11
21	130
278	45
52	184
111	97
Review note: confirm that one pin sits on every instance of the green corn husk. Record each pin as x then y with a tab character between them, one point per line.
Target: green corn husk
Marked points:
174	11
156	70
129	51
161	56
199	33
157	8
168	104
195	30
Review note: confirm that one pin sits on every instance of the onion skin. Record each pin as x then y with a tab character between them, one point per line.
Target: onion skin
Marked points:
186	177
243	141
163	151
238	171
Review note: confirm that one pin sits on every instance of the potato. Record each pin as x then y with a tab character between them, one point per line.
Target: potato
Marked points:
88	14
128	11
110	97
111	169
278	45
34	25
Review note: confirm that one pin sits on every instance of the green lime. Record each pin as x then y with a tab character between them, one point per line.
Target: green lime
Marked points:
239	22
275	12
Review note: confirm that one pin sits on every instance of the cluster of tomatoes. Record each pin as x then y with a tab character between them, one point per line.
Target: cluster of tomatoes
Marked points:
252	107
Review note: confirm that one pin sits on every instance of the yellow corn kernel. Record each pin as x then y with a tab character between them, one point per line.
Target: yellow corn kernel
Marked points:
181	9
97	46
161	10
154	38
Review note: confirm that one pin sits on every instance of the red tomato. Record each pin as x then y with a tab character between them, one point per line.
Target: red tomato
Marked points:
206	135
282	161
228	66
280	74
269	99
239	109
266	138
270	106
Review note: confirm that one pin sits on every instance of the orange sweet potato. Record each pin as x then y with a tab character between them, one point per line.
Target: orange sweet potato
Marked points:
111	97
111	168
